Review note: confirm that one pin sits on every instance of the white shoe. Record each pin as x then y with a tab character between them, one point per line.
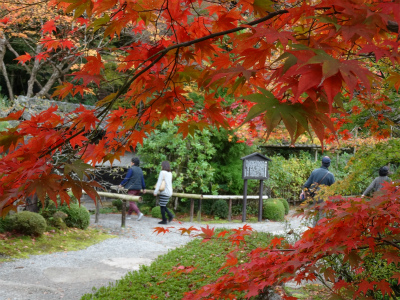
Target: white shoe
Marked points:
140	216
128	218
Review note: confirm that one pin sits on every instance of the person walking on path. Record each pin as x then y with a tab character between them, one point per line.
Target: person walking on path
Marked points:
320	176
134	182
166	176
376	184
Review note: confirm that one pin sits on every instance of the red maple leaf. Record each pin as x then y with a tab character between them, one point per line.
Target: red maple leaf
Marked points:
49	27
23	58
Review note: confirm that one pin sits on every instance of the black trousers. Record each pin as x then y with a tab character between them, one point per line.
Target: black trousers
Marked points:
164	210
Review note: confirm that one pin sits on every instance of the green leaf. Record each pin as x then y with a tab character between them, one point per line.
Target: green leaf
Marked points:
290	61
77	166
328	20
98	23
294	116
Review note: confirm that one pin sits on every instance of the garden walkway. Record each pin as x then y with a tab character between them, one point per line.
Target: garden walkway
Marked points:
69	275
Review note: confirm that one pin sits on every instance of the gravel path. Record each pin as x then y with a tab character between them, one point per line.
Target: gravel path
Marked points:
69	275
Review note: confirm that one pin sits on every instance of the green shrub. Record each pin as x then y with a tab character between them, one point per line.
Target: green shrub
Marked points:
285	204
145	209
49	210
206	206
118	204
28	223
5	224
273	210
220	208
78	216
57	220
156	212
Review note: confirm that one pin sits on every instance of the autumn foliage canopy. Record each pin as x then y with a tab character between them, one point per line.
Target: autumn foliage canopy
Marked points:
290	62
285	62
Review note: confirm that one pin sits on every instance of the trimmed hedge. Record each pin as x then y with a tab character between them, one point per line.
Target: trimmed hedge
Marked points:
273	210
78	216
28	223
285	204
156	212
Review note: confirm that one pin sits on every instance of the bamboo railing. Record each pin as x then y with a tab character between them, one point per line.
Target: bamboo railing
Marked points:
192	197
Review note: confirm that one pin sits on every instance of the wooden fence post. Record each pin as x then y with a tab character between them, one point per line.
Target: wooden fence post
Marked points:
123	213
191	209
230	210
244	201
260	202
96	219
199	212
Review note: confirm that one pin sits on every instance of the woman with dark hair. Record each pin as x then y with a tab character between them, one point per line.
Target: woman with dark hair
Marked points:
376	185
166	176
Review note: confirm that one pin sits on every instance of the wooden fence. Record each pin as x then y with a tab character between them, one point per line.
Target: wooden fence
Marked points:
192	197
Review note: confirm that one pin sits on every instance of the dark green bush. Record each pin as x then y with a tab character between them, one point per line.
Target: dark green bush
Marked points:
206	206
78	216
5	224
156	212
285	204
28	223
118	204
273	210
220	208
49	210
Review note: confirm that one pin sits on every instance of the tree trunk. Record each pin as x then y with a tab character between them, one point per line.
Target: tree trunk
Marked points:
32	78
4	70
26	67
32	203
45	90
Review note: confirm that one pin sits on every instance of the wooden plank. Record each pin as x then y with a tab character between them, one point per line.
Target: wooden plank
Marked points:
120	196
233	197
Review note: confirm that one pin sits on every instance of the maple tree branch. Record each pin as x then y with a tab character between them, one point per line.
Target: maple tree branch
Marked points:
9	46
157	56
21	8
392	26
394	244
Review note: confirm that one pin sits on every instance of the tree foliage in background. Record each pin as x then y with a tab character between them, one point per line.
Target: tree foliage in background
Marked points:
364	167
288	175
190	158
290	62
228	165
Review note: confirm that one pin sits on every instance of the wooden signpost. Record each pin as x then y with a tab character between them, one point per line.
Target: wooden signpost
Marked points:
255	166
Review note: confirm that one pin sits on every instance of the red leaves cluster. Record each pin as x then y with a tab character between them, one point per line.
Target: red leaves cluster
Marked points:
353	228
308	56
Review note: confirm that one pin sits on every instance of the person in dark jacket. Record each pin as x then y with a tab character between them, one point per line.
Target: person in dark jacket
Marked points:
376	184
134	182
321	176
